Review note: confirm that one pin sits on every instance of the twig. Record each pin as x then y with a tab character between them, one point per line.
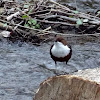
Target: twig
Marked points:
39	12
18	25
43	31
63	7
62	12
52	22
13	15
16	14
38	5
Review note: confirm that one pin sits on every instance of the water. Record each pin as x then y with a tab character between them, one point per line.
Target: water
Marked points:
21	73
83	5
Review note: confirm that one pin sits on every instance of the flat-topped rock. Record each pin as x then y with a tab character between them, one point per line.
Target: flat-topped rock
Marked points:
68	87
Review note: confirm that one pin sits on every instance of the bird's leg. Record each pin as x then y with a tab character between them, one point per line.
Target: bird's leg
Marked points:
66	62
55	63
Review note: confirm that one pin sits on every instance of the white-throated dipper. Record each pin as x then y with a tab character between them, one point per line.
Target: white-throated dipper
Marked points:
60	50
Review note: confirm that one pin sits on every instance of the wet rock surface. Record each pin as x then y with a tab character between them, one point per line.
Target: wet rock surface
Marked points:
24	66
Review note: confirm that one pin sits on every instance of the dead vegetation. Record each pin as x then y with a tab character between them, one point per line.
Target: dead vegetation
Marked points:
38	21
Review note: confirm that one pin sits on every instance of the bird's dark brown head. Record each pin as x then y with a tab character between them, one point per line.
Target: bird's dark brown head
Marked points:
61	39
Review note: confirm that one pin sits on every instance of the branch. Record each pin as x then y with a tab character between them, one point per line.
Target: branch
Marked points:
16	14
52	22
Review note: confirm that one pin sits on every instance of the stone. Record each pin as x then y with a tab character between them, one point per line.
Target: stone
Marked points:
68	87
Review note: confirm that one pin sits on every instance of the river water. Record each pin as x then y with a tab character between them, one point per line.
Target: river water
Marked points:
24	66
83	5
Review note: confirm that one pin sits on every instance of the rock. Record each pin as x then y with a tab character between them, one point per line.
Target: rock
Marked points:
68	87
90	74
5	34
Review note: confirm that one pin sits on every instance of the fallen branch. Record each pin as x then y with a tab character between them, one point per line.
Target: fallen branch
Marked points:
52	22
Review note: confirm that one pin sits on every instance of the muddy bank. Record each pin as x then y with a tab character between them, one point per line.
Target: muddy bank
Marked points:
21	71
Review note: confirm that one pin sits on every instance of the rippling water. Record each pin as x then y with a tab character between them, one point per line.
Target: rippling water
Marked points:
23	66
83	5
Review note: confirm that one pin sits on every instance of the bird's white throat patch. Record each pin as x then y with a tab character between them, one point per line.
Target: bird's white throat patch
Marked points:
60	50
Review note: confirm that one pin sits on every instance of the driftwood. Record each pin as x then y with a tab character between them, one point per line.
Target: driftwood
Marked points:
47	13
68	87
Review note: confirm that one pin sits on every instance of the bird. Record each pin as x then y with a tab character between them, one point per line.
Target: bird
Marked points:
60	51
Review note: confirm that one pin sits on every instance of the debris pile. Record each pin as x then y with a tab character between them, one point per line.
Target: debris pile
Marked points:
37	21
